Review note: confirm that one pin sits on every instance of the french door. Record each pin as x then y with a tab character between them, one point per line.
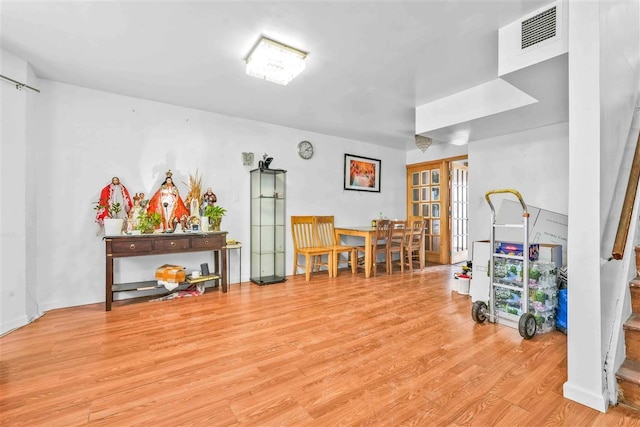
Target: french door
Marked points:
459	197
429	196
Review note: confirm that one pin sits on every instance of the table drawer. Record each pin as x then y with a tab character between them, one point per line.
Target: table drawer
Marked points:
207	242
131	247
172	245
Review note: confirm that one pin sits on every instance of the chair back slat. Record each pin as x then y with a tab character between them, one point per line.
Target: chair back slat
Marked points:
398	232
326	232
415	234
383	230
304	232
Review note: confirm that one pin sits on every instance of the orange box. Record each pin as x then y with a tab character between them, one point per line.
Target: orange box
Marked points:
171	273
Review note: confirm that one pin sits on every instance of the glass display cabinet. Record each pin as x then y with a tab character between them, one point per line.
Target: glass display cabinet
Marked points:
268	222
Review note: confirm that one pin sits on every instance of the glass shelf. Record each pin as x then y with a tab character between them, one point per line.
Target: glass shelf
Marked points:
268	219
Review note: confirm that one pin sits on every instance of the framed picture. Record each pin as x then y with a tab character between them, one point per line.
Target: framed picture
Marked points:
361	173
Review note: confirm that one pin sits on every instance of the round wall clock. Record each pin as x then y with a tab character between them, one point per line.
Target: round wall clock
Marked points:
305	150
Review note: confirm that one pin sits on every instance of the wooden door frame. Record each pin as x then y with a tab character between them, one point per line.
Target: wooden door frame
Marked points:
445	223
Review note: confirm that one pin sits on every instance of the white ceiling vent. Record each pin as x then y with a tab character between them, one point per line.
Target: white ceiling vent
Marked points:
534	38
539	28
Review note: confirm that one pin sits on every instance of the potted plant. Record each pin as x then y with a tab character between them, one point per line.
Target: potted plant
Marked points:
148	222
215	214
112	224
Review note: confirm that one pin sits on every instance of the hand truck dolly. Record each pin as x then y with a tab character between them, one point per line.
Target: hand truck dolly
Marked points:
510	286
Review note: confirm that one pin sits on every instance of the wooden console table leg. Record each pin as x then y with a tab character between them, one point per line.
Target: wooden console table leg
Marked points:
221	268
109	283
225	284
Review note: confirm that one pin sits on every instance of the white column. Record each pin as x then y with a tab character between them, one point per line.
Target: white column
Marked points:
585	383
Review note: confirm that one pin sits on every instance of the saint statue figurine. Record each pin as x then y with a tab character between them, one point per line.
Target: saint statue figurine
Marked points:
208	199
133	221
109	196
168	203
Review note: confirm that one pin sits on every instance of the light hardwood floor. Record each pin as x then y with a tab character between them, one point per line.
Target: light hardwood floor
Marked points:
386	351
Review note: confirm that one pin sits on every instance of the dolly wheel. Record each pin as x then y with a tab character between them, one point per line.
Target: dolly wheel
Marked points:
527	326
479	311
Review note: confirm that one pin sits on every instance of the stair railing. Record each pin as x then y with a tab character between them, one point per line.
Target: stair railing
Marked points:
627	206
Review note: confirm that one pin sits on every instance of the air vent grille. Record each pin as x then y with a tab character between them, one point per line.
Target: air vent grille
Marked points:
539	28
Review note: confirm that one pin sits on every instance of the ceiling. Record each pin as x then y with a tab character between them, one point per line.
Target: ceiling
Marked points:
369	65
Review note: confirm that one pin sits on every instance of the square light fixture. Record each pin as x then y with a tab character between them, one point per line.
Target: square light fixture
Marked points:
275	62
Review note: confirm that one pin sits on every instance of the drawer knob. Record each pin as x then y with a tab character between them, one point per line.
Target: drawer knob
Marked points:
206	243
173	244
132	246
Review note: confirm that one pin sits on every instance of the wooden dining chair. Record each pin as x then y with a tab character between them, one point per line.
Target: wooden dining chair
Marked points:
327	238
396	243
306	244
414	243
379	244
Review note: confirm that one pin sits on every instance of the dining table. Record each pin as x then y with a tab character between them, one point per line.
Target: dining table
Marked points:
365	231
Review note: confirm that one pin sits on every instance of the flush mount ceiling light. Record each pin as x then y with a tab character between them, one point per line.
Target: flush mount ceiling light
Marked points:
275	62
423	142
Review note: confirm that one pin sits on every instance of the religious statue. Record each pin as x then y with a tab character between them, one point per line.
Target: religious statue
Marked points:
168	203
208	198
134	214
115	201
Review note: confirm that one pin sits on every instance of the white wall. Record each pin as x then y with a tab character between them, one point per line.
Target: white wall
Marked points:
16	305
533	162
87	136
436	152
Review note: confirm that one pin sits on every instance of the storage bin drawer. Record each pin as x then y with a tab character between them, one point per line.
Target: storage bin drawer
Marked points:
207	242
172	245
131	246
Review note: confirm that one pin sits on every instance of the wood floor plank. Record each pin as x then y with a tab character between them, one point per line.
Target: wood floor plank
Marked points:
398	350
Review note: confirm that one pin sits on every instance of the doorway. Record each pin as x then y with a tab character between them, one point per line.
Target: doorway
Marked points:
438	191
459	208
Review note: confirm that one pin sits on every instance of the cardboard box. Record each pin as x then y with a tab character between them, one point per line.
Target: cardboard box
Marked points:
551	228
509	248
544	226
479	287
551	253
171	273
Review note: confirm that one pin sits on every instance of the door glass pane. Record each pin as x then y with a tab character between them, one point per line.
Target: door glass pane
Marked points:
415	209
425	210
435	176
425	194
435	193
435	226
435	210
415	197
415	179
425	178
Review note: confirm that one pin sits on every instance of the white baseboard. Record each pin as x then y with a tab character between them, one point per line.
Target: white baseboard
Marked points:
10	325
599	402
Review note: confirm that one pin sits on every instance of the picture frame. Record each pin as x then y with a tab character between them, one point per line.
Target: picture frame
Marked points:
361	173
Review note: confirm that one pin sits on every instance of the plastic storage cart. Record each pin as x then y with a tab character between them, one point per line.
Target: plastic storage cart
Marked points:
508	277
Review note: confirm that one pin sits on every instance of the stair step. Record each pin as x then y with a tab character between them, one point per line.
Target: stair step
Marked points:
634	287
633	322
632	336
629	371
629	383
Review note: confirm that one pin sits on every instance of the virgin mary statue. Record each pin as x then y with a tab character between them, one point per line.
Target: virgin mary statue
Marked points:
167	202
